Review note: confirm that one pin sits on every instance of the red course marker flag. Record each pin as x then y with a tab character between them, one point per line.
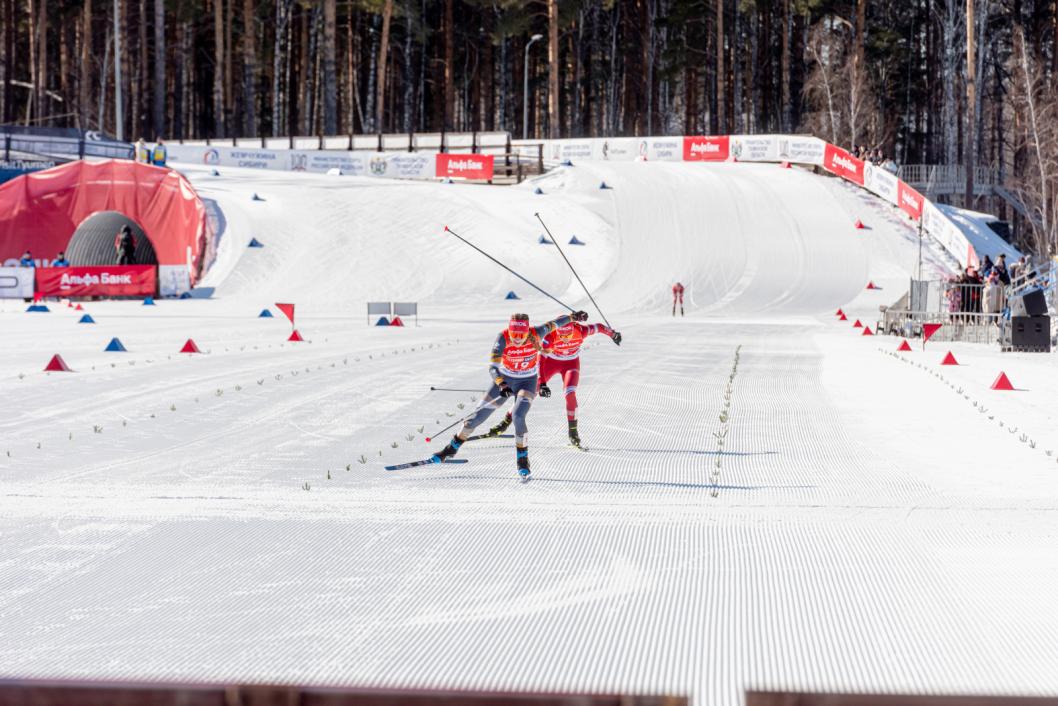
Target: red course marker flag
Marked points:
190	347
1002	382
904	346
57	365
867	331
857	324
839	312
927	332
288	310
295	336
949	360
843	317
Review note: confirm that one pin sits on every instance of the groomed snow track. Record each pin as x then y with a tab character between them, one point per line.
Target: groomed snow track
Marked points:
226	517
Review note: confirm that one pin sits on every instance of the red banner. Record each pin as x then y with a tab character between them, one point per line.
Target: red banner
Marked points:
105	281
706	149
838	161
465	166
909	200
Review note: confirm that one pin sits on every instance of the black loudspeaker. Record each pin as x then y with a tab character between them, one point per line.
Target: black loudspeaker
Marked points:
1029	304
1030	333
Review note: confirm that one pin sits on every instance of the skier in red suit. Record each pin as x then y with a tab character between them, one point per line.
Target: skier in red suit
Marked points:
677	294
560	355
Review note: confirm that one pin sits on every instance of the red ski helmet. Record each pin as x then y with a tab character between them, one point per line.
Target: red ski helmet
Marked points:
518	327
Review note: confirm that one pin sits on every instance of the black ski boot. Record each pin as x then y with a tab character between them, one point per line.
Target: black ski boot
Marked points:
501	427
522	455
448	451
574	437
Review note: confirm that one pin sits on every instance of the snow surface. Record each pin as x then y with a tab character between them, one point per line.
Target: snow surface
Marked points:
871	529
974	226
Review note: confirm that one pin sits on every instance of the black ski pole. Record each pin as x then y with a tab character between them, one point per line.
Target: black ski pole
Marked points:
560	252
451	389
566	306
458	421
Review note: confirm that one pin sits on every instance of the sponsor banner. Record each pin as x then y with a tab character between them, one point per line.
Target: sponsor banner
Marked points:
173	280
706	148
99	281
618	149
560	150
396	165
664	149
16	282
465	166
941	228
909	200
755	148
11	168
880	181
802	150
838	161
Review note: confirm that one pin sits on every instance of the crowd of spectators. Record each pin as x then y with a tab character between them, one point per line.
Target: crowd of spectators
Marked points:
875	157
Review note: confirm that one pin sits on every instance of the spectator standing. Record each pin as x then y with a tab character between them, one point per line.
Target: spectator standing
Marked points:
992	302
125	246
986	267
142	155
60	261
1000	268
27	260
160	154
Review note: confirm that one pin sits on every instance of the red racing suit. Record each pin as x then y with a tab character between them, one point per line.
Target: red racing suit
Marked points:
560	355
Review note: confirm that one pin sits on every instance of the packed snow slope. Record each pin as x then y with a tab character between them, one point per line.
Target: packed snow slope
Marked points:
744	239
872	521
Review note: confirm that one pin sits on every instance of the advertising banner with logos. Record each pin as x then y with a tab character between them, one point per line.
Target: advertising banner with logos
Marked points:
706	148
16	282
838	161
800	149
755	148
909	200
395	165
464	166
96	281
880	181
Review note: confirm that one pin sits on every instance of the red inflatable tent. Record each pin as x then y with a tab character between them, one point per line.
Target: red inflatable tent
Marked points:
41	210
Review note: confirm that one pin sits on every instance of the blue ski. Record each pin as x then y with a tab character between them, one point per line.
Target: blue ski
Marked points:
424	462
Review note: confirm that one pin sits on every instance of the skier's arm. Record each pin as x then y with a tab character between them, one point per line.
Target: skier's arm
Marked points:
497	356
544	329
591	329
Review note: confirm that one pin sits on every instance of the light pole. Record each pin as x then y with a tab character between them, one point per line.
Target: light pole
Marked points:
525	87
119	117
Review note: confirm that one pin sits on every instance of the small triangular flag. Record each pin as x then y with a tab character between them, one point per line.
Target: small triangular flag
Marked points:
382	321
78	308
115	346
255	243
872	285
148	301
287	309
839	312
545	241
904	346
265	314
784	165
574	241
949	359
843	317
295	336
857	324
927	332
1002	382
57	364
859	224
87	319
867	331
190	347
396	321
512	295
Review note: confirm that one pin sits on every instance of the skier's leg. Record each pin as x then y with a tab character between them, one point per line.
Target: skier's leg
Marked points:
524	400
570	379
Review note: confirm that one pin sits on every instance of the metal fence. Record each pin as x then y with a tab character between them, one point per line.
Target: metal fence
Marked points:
61	142
948	178
967	312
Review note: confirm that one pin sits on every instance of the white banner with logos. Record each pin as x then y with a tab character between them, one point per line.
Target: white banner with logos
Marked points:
395	165
755	148
881	182
16	282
